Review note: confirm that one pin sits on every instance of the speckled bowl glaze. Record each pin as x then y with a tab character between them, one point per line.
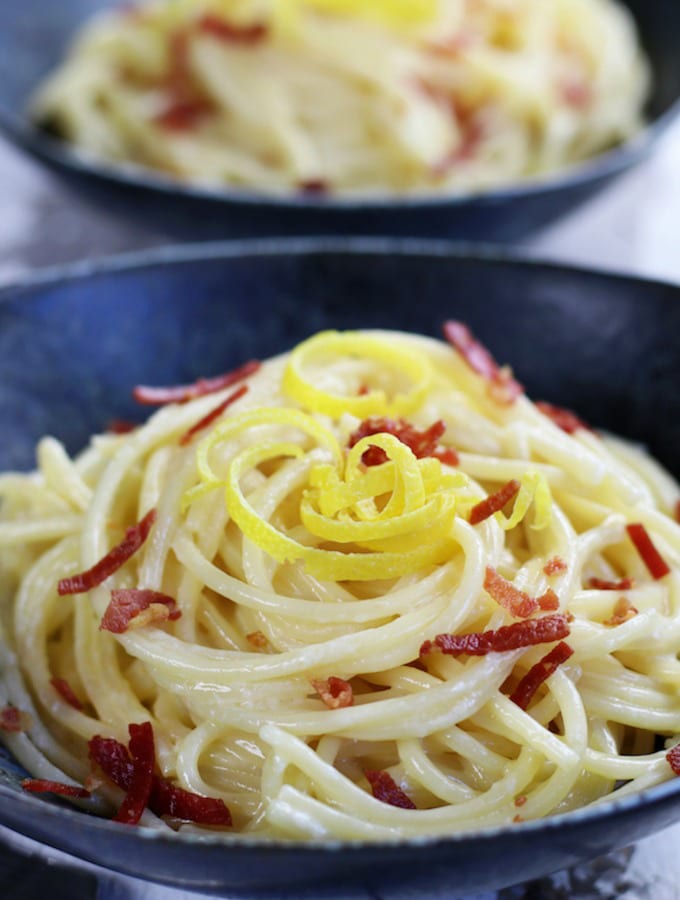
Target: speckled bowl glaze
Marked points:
35	33
72	345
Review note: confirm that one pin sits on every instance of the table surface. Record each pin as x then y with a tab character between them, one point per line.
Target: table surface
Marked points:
633	227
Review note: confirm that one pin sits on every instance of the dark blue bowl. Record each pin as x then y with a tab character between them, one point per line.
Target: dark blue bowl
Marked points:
73	344
34	35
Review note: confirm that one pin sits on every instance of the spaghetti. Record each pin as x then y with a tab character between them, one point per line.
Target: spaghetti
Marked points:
345	97
369	599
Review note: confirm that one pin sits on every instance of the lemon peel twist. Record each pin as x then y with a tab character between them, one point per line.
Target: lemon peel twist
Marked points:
411	363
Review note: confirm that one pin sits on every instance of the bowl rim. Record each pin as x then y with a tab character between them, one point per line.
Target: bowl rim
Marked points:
602	166
61	276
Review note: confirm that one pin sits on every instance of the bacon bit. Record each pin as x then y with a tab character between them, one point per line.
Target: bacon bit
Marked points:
494	503
421	442
649	554
623	611
676	511
14	720
554	566
365	389
600	584
61	686
520	799
120	426
42	786
537	674
335	692
673	757
182	393
507	595
517	819
502	387
165	799
143	755
230	33
509	637
564	418
386	790
569	616
135	607
114	559
215	414
314	186
548	601
257	639
184	115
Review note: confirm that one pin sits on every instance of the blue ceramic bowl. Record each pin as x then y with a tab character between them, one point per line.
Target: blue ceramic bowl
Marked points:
73	344
35	33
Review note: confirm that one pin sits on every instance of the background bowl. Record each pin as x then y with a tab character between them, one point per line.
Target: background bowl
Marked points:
73	345
34	35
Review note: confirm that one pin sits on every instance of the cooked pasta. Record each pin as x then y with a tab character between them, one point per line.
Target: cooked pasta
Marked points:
366	590
346	97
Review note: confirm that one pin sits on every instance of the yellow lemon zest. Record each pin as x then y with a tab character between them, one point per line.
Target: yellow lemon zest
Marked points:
411	363
534	489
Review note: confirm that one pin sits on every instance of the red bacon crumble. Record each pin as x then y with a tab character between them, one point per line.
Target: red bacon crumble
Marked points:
120	426
257	639
314	186
537	674
564	418
386	790
135	608
185	104
14	720
502	386
520	799
650	556
184	115
62	687
554	566
508	596
230	33
42	786
494	503
601	584
138	791
421	442
673	757
114	559
165	799
182	393
213	415
510	637
676	511
335	692
548	601
623	611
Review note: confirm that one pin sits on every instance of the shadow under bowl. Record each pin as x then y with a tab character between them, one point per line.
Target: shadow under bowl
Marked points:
72	346
34	36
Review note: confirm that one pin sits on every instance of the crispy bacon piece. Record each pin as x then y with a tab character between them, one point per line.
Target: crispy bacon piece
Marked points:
165	798
520	799
673	757
143	756
62	687
421	442
510	637
601	584
502	387
257	639
335	692
554	566
507	595
135	607
386	790
42	786
548	601
230	33
184	115
564	418
14	720
495	502
214	414
182	393
537	674
114	559
651	557
314	186
676	511
120	426
622	612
